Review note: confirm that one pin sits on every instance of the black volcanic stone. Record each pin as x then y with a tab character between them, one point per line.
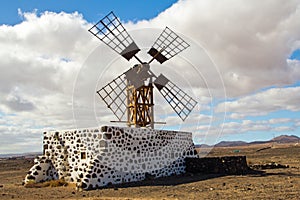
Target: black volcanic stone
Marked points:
83	185
38	167
30	177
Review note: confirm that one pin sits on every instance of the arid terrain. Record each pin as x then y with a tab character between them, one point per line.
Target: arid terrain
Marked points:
281	183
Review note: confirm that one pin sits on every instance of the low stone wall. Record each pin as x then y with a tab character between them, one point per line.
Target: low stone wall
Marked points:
217	165
271	165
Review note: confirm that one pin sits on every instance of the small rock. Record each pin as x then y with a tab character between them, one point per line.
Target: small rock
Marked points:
1	186
224	184
73	192
211	189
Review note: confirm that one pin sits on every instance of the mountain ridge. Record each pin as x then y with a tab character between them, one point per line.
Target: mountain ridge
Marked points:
279	139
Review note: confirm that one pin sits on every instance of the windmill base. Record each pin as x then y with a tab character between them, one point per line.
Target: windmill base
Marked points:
96	157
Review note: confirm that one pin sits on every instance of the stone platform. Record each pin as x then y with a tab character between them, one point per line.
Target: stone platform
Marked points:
95	157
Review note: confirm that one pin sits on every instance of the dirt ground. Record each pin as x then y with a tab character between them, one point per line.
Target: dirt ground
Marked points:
283	183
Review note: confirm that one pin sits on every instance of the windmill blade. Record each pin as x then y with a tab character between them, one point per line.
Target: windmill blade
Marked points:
166	46
114	96
180	102
112	33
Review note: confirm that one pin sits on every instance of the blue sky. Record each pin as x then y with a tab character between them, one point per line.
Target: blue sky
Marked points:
295	55
51	66
92	10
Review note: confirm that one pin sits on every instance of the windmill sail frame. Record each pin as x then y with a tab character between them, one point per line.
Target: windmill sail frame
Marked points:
111	31
132	91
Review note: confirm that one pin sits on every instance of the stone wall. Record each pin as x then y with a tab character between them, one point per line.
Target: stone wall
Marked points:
96	157
217	165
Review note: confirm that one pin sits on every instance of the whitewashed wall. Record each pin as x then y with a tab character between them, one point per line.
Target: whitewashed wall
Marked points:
96	157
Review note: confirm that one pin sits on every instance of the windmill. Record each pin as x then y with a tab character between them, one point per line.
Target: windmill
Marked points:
131	92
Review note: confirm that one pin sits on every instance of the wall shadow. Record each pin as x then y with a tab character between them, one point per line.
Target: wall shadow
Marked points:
180	179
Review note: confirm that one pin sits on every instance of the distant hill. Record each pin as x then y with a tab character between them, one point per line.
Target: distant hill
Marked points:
203	146
286	139
231	143
20	155
280	139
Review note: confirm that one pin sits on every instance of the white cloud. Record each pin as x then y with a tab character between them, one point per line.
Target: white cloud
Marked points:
246	126
283	128
280	120
297	123
39	60
264	102
250	41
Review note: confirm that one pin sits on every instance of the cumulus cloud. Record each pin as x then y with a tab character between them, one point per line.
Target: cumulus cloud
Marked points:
17	103
264	102
43	53
242	127
39	60
250	41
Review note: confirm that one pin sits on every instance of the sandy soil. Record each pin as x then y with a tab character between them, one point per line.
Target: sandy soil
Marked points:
273	184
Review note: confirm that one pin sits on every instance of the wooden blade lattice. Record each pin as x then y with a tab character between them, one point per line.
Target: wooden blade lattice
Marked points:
167	45
180	101
115	97
112	33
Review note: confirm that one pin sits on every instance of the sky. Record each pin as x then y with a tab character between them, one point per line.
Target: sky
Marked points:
242	67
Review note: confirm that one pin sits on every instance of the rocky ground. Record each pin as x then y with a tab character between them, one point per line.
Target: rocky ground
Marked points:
278	183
